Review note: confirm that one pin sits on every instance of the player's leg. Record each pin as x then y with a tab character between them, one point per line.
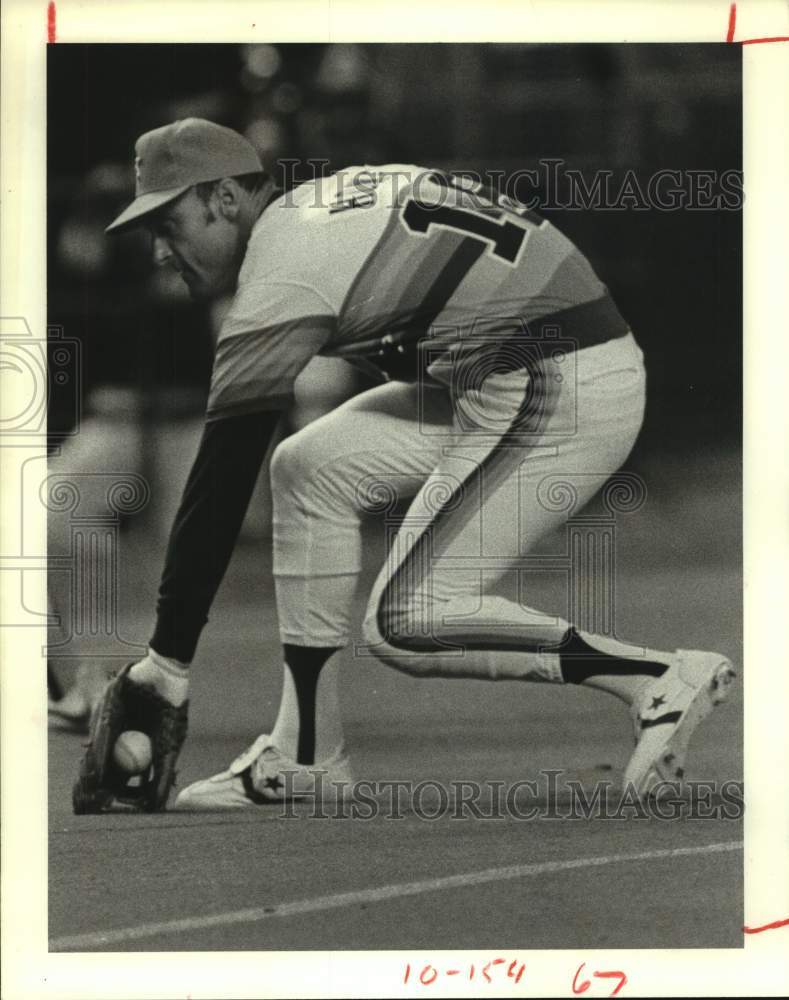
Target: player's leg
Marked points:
432	612
356	461
361	459
444	630
447	603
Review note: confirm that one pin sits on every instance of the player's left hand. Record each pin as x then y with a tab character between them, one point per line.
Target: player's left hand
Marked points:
101	785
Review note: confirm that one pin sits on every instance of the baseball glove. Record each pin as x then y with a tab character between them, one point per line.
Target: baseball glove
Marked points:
102	786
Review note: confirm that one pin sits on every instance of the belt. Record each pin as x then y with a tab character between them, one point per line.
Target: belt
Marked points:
584	325
573	329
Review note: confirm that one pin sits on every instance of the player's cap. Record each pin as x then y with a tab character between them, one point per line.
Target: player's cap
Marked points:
170	159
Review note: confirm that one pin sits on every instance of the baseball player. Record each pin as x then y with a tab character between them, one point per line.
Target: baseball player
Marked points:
505	367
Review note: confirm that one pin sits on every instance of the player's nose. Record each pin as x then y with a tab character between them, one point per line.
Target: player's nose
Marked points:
161	252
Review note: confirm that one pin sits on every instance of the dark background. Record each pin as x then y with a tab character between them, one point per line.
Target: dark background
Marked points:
676	276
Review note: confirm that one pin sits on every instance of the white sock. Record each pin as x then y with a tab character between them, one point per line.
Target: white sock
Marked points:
168	677
327	721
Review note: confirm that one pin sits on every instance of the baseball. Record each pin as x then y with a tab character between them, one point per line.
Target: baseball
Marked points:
132	752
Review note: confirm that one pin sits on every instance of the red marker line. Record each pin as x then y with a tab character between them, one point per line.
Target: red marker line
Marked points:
732	22
748	41
52	27
613	974
758	41
766	927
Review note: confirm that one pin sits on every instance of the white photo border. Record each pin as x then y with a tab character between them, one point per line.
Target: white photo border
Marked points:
761	967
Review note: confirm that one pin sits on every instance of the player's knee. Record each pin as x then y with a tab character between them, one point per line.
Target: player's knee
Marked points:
292	464
303	466
390	622
370	631
397	632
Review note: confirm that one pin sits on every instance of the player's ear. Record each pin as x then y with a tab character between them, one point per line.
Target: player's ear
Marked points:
228	192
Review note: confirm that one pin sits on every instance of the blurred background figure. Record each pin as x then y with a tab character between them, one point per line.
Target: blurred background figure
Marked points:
147	349
109	444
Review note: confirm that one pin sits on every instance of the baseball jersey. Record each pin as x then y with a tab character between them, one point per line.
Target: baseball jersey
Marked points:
401	270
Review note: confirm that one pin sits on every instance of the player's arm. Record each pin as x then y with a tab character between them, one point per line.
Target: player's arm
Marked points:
268	335
254	373
207	526
201	542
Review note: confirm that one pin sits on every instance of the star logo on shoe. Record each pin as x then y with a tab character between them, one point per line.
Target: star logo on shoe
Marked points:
273	783
657	702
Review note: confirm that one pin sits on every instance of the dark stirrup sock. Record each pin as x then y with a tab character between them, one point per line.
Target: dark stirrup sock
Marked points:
305	664
579	661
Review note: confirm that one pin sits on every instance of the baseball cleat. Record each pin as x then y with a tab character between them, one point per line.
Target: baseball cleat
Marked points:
101	786
667	713
262	775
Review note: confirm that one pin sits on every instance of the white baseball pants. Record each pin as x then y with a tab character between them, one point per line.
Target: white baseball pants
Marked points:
474	456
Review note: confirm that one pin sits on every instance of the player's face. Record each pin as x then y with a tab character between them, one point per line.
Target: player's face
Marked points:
204	246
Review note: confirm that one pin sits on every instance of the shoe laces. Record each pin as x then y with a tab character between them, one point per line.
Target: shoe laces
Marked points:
251	754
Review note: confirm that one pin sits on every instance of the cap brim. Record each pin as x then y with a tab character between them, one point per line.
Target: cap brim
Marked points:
144	205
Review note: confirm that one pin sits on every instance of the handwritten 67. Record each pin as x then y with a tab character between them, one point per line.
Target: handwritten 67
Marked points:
581	985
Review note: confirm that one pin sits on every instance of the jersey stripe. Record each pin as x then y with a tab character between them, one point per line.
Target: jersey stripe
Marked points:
397	354
367	283
256	370
444	285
